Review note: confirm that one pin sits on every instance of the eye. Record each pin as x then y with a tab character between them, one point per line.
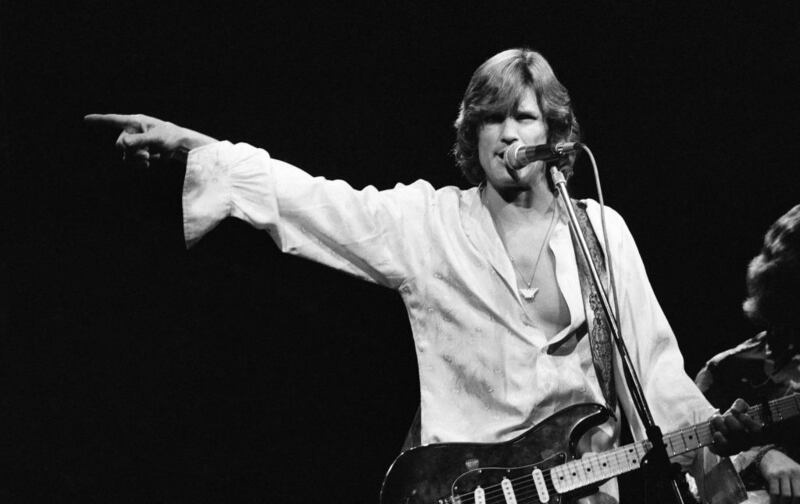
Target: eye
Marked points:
495	118
526	116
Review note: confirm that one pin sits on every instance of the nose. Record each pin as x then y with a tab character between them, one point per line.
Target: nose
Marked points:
509	131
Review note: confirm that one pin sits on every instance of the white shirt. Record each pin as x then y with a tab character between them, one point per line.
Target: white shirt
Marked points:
486	372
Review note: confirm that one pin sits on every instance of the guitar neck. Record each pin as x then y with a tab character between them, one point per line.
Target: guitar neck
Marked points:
692	438
597	467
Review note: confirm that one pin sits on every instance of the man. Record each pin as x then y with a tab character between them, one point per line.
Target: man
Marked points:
767	366
489	275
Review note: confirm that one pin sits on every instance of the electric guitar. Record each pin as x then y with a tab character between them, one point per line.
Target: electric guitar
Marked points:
540	465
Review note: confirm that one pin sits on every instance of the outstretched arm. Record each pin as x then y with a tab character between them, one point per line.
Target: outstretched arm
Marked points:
144	138
366	232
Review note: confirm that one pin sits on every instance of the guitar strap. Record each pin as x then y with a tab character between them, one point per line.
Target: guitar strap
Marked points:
596	321
597	325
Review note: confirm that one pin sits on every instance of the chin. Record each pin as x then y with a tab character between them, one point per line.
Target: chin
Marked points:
520	178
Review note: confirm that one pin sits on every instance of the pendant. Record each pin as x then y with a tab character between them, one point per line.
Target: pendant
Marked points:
529	293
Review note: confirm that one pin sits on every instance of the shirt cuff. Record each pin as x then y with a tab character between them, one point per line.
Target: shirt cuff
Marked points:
206	190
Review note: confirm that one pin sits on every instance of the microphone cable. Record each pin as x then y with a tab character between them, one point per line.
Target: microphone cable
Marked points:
605	232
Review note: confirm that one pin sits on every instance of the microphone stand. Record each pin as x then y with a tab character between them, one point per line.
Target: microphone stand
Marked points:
657	457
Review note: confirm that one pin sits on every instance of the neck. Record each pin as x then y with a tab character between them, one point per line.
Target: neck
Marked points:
519	206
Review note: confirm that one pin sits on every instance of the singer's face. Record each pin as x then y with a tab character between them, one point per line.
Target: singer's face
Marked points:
526	125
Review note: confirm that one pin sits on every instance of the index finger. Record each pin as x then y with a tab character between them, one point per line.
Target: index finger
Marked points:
116	120
740	406
717	423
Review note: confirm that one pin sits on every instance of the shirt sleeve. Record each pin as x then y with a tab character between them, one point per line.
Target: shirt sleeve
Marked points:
673	396
674	399
367	233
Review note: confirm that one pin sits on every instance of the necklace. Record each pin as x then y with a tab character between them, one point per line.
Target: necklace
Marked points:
529	292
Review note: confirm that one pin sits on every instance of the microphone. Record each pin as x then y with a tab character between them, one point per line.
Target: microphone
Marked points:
519	156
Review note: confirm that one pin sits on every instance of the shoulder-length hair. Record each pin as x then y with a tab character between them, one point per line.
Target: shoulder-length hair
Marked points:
773	277
497	87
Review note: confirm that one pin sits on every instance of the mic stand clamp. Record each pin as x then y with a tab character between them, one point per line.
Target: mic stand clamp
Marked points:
657	458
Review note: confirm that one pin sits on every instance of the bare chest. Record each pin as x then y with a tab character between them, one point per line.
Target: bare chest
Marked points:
535	270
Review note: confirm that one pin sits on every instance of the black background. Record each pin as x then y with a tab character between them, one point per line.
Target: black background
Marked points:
135	371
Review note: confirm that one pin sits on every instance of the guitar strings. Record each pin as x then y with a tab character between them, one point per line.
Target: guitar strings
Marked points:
618	457
525	486
523	482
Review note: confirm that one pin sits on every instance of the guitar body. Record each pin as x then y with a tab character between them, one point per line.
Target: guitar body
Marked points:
450	472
